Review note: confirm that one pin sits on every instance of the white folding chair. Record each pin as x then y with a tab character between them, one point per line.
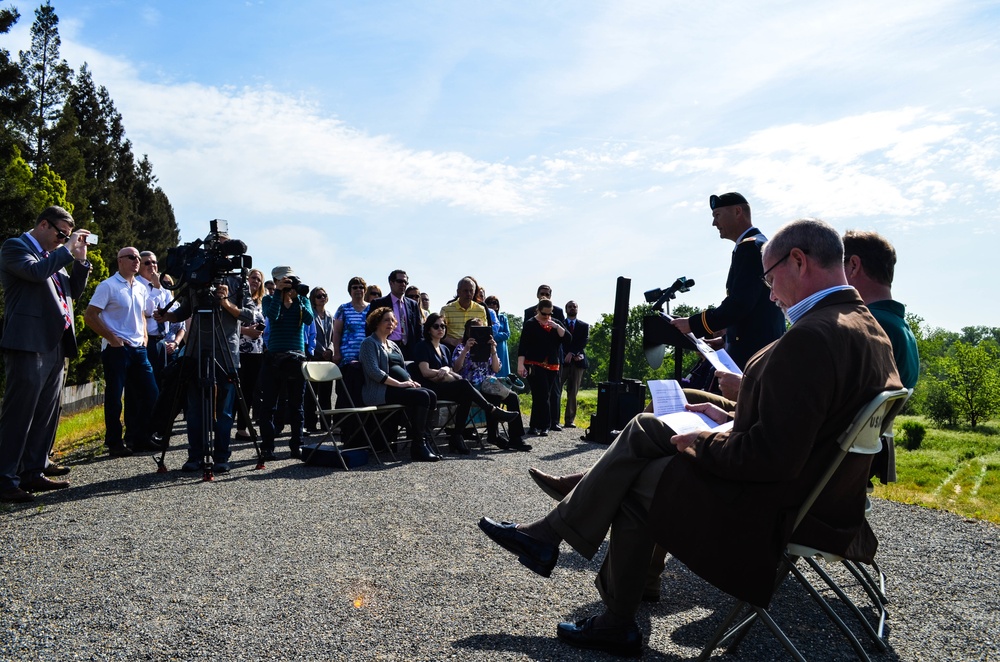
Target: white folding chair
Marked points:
333	420
862	436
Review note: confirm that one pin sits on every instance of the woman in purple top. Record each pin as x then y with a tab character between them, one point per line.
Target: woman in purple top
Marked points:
349	323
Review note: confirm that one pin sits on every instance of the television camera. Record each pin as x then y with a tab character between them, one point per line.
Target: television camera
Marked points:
201	264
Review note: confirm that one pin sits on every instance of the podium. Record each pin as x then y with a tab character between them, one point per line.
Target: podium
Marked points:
658	334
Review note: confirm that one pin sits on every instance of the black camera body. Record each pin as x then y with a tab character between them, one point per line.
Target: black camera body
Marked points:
300	288
200	264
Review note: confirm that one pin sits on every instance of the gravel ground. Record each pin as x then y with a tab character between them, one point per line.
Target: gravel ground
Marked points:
387	563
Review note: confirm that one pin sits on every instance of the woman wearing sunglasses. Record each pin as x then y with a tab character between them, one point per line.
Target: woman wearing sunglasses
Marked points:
435	370
538	360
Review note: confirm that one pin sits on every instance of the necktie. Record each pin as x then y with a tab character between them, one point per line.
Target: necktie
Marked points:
402	321
572	323
68	321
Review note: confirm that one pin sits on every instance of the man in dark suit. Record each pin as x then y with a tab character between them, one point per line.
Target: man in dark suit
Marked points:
41	271
702	494
545	292
746	314
575	362
407	311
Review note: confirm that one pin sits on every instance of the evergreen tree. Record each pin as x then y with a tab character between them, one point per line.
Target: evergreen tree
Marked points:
14	102
49	79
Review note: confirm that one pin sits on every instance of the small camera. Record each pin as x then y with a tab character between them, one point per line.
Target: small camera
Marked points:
92	239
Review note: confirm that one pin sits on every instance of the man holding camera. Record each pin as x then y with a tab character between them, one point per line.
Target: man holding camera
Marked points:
287	311
42	271
218	334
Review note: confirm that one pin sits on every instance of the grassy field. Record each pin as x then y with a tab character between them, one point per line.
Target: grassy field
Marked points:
957	470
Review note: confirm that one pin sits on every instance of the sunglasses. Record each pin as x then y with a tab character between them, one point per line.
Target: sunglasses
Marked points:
402	281
438	326
545	314
129	257
59	233
357	287
149	262
321	295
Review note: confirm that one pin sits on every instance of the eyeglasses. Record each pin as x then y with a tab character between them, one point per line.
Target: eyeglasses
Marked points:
438	326
773	267
149	262
545	314
402	281
357	287
129	257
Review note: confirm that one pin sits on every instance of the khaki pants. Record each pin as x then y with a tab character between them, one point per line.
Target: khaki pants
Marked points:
616	494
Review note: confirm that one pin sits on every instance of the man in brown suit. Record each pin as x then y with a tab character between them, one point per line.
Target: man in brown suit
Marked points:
701	495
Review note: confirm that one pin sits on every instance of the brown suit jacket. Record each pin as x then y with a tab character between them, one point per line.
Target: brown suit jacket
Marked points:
727	513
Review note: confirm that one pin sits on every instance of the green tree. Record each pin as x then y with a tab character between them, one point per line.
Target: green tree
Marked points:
14	101
974	381
49	79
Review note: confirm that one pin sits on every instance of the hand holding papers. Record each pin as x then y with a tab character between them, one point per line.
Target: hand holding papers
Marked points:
671	407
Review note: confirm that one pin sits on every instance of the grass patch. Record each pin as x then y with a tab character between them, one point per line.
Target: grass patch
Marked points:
81	434
586	404
954	469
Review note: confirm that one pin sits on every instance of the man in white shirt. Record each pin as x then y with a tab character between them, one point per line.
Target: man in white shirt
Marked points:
117	312
149	275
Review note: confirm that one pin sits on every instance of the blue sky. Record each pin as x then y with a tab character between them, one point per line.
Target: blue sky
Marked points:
562	142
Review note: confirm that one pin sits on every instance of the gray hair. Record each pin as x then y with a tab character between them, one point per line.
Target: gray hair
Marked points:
818	239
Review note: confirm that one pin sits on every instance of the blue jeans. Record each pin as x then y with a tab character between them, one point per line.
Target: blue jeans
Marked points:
224	404
127	370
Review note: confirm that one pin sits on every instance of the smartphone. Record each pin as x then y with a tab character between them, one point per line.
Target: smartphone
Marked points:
92	239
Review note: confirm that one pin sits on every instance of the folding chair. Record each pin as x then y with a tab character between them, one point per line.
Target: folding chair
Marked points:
333	420
862	436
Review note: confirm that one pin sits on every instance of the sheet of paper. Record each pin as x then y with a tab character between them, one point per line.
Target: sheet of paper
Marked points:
683	422
727	361
667	396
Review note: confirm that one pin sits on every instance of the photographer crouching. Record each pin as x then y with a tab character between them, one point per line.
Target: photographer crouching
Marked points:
213	342
287	311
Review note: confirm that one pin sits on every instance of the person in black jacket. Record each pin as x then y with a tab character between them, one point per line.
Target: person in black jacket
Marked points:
747	316
409	327
541	339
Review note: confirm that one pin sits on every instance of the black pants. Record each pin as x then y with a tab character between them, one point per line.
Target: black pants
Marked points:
419	403
515	427
465	395
249	371
542	383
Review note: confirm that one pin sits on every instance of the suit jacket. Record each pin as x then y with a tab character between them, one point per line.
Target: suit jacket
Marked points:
747	314
578	346
414	326
741	492
33	317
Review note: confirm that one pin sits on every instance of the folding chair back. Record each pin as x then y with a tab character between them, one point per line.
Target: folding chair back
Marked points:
862	436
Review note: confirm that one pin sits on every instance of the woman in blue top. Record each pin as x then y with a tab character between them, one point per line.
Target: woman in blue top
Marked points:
501	333
349	323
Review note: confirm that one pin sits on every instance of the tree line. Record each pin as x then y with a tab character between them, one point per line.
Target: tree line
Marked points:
63	142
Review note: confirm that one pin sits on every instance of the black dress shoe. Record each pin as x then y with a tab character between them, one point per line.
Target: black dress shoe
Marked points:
569	425
457	445
421	453
556	487
42	484
53	470
538	556
518	445
295	453
623	641
556	428
532	432
498	441
268	456
15	495
119	451
505	416
542	433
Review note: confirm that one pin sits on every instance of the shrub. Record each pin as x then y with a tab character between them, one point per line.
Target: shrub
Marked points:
938	404
913	434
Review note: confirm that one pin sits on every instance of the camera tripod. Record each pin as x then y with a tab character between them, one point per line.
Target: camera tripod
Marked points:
203	366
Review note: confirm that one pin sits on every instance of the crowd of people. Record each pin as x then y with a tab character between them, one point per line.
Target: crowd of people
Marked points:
808	317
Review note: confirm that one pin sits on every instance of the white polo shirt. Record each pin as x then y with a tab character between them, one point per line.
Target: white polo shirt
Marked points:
159	297
123	308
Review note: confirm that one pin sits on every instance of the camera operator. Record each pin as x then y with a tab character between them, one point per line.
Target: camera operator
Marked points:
287	311
232	304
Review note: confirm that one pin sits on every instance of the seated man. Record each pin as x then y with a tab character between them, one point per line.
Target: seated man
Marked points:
700	495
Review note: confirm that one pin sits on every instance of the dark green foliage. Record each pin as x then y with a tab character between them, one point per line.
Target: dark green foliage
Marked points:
913	434
49	78
937	403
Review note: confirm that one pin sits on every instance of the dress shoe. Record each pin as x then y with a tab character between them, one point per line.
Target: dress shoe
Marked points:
15	495
569	425
294	448
43	484
543	433
456	444
119	451
52	470
538	556
625	641
500	442
421	453
505	416
221	467
268	456
191	466
532	432
240	434
556	487
556	428
518	445
152	444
